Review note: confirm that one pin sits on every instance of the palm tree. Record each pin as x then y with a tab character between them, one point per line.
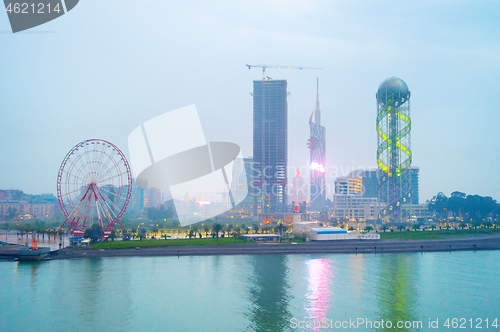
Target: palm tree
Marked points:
229	227
254	227
112	235
280	229
216	228
142	233
206	229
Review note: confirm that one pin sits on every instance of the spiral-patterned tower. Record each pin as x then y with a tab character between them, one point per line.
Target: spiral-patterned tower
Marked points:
394	148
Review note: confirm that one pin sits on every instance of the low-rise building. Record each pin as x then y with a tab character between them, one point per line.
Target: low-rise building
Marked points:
312	231
418	212
29	210
335	233
353	208
261	237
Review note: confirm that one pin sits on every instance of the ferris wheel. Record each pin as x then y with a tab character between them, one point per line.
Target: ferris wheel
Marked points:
94	185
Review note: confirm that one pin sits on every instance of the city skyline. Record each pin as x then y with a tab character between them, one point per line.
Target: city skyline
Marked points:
96	85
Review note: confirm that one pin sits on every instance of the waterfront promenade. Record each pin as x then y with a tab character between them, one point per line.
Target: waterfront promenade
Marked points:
486	242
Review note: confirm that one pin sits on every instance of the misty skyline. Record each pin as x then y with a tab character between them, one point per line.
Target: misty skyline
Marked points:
106	67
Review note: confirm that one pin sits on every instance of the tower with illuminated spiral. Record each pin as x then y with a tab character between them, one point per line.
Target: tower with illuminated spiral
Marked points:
394	149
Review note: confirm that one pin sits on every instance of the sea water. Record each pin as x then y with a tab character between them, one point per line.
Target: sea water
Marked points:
254	293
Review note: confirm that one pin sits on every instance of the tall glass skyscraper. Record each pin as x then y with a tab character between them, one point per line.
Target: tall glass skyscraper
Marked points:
317	147
270	143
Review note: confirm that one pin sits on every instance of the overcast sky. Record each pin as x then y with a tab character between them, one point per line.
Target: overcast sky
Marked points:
108	66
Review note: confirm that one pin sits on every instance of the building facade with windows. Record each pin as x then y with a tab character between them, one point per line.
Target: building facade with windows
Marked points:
349	186
353	208
270	143
28	210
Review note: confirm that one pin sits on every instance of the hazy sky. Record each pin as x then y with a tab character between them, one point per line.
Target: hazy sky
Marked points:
108	66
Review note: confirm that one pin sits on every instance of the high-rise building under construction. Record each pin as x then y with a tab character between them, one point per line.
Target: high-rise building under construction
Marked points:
270	143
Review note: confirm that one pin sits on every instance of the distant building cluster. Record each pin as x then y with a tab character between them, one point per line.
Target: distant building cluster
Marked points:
16	205
356	198
389	193
143	198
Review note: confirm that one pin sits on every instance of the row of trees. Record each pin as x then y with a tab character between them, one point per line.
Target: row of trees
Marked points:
217	230
401	228
95	233
473	208
235	231
39	226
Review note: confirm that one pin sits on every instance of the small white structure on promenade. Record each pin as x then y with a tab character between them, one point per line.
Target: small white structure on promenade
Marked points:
313	232
261	237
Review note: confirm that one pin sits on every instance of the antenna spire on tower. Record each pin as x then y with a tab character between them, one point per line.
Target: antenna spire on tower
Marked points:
318	112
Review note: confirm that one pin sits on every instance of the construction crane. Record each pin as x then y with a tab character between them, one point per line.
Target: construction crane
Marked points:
277	66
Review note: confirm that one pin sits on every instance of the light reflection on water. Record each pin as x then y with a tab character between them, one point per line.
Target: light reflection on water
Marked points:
318	297
396	294
246	293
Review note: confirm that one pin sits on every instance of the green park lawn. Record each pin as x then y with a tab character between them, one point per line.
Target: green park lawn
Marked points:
162	243
404	235
440	234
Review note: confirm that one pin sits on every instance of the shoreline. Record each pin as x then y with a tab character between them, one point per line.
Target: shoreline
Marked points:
469	243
